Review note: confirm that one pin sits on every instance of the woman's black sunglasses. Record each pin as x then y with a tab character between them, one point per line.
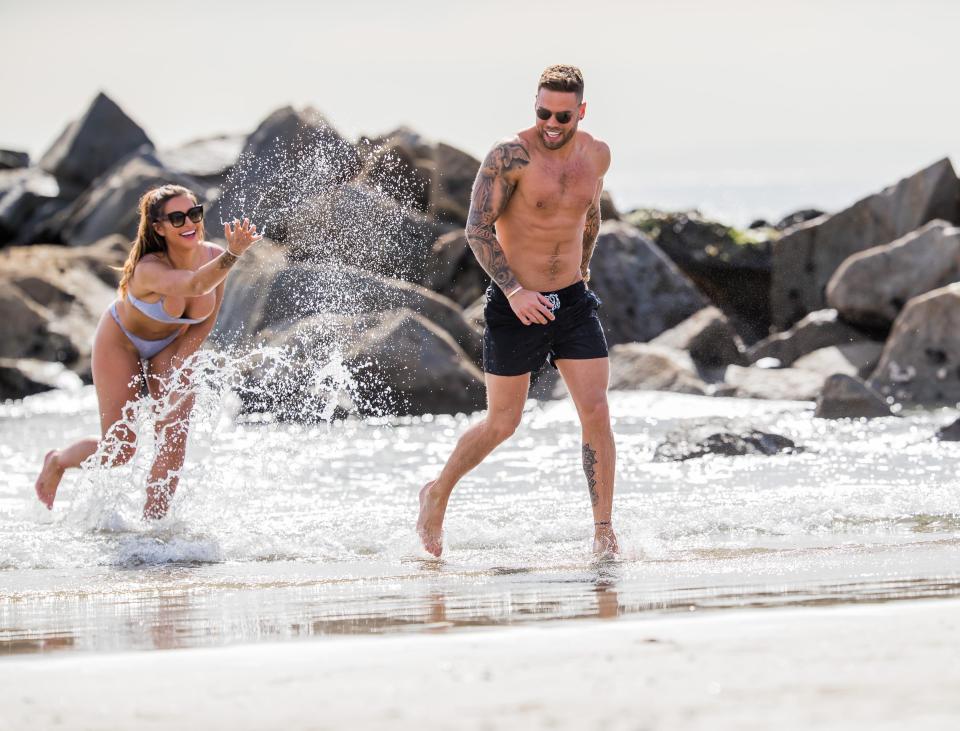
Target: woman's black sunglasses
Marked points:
178	218
562	117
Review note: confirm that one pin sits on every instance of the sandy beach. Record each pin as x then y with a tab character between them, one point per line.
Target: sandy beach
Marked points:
882	666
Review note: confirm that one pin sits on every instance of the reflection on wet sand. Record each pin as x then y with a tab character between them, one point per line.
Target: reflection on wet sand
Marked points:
439	600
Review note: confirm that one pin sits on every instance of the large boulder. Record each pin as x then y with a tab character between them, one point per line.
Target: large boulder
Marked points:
784	384
847	397
806	257
93	144
852	359
52	297
360	226
643	291
921	360
434	176
268	291
390	362
28	196
209	160
453	271
648	367
13	159
709	338
293	156
871	287
731	267
821	329
109	206
21	377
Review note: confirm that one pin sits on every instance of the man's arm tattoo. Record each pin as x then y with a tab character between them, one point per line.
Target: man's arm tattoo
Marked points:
227	260
591	230
589	460
491	193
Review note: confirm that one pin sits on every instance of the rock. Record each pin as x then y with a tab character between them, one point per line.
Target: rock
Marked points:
646	291
852	359
392	168
407	364
782	384
702	440
848	397
353	224
608	210
25	197
474	313
920	363
648	367
451	186
453	271
871	287
268	291
209	160
109	206
949	433
93	144
11	159
821	329
51	299
292	157
391	362
708	337
731	267
23	377
446	172
807	255
797	217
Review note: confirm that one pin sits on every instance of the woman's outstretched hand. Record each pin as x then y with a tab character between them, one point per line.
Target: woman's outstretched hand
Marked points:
241	235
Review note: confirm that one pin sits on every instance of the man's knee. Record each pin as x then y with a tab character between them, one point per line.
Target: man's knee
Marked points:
595	412
502	426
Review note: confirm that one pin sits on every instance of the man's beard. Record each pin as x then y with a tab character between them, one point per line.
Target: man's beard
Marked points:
556	144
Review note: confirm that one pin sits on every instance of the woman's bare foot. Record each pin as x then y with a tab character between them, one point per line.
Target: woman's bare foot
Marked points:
49	479
605	542
430	521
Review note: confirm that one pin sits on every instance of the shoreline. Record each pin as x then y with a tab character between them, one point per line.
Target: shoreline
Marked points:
739	669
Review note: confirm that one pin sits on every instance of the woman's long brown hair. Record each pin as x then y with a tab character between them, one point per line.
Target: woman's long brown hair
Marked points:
148	241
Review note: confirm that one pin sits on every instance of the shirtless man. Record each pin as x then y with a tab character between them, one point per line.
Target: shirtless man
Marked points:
533	223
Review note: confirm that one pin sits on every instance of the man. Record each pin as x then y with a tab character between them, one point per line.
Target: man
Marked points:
533	223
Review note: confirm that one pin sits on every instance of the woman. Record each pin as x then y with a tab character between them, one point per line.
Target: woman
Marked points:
170	292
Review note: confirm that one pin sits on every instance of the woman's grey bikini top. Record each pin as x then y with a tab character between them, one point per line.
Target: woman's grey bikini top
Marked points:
155	311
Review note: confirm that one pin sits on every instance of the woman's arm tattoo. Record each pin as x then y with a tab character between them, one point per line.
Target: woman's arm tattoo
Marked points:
227	260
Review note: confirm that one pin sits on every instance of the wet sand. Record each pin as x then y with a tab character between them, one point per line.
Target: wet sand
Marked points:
883	666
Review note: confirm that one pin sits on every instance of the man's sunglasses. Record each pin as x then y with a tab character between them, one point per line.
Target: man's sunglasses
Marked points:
562	117
178	218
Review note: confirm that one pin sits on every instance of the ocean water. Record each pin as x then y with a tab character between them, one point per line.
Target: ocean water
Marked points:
282	531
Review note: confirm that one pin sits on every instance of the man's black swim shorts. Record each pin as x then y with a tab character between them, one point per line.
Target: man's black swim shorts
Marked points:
511	348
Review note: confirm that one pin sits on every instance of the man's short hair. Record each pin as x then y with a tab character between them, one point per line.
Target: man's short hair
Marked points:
561	77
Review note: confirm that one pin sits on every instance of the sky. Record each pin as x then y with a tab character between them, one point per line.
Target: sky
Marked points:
740	107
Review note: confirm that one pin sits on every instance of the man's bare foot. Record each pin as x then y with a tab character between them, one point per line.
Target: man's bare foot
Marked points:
49	479
430	521
605	542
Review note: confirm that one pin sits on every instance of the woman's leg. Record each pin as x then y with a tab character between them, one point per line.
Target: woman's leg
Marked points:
118	380
172	427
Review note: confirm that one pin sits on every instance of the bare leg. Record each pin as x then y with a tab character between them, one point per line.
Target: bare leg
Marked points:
505	398
116	377
172	429
587	382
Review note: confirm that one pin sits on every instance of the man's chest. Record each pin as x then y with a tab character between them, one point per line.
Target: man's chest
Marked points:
558	188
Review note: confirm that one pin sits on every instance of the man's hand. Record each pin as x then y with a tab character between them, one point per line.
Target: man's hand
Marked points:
531	307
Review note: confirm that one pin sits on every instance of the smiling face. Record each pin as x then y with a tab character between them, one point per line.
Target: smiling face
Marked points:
554	134
187	235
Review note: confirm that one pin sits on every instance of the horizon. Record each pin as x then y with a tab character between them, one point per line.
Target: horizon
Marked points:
750	110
